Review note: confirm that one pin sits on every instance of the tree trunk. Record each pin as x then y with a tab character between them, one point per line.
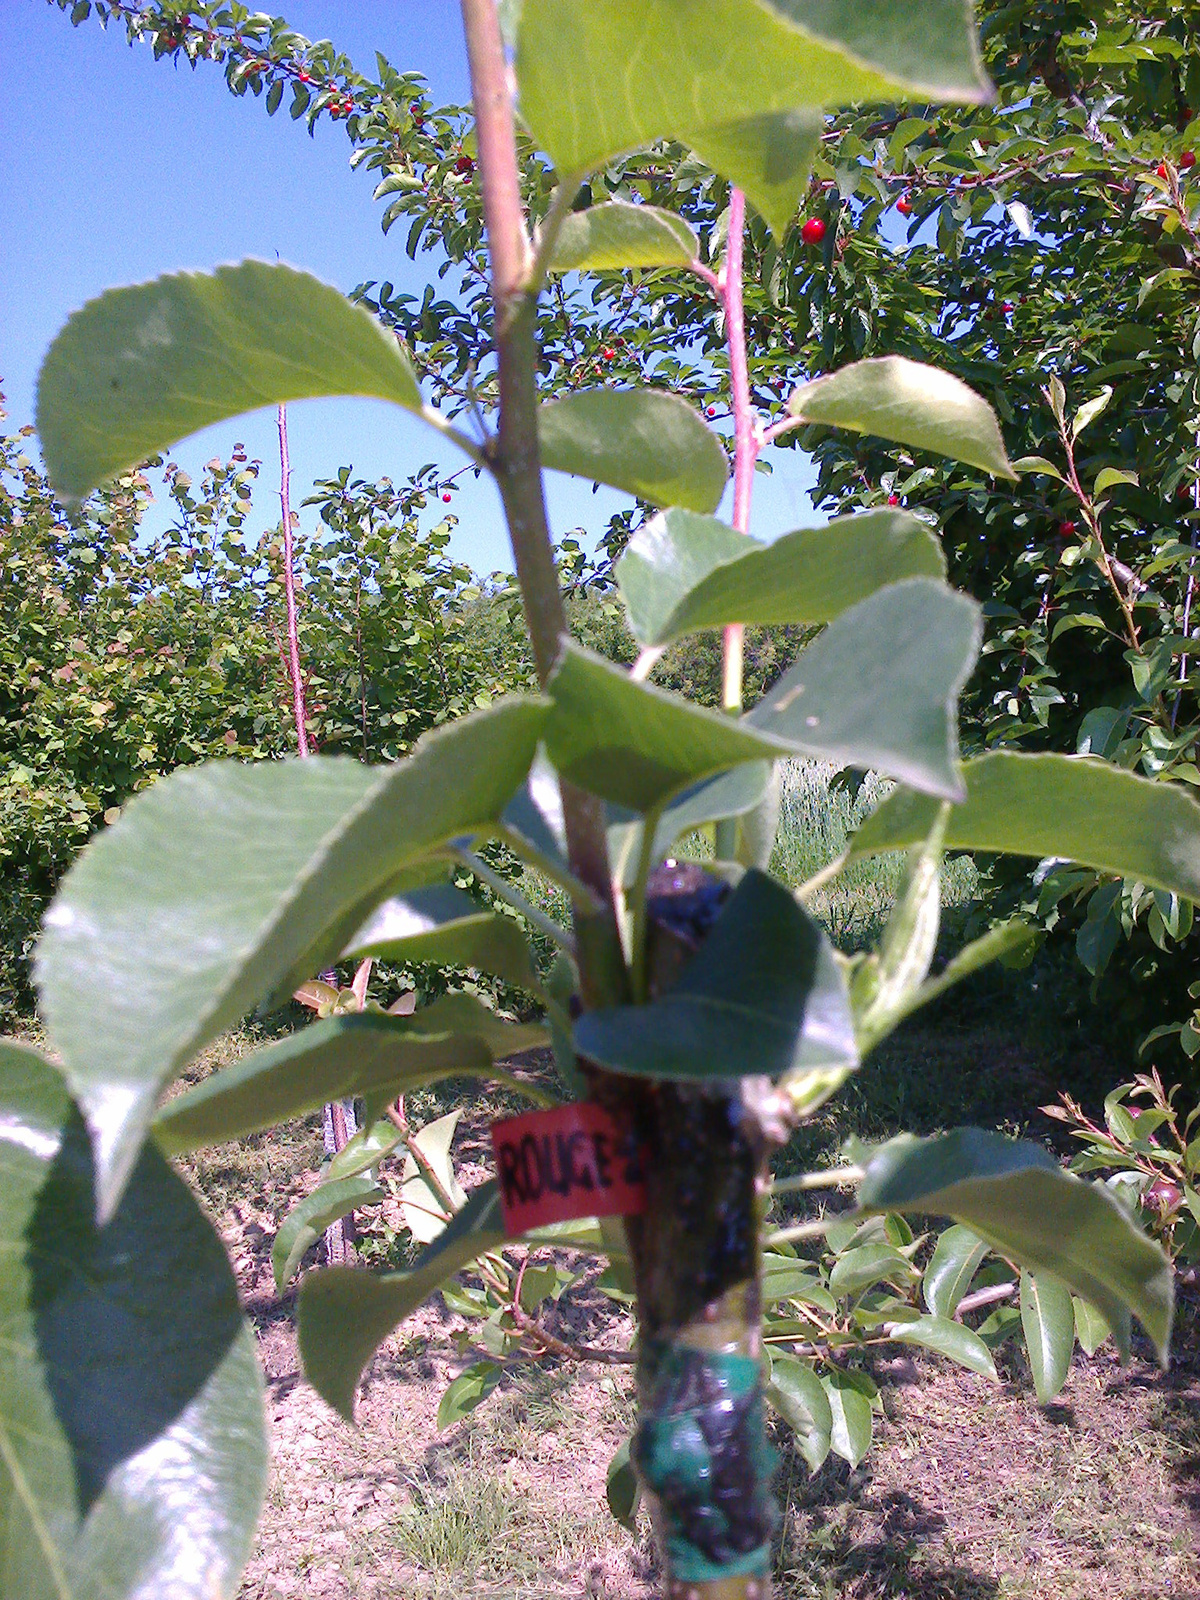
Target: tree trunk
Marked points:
700	1448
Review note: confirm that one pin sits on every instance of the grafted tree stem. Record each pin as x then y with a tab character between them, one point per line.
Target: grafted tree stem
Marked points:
695	1251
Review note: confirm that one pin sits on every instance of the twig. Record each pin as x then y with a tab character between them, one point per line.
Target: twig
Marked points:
984	1297
299	710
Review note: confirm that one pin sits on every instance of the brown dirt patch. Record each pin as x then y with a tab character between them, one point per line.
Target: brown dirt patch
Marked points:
971	1493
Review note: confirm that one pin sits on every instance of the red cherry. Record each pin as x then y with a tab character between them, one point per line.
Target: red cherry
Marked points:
1066	528
446	497
1187	159
711	412
465	165
893	499
1007	306
813	231
1161	169
1187	114
904	206
608	352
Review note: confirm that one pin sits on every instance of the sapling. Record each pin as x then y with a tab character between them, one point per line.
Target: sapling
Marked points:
703	1014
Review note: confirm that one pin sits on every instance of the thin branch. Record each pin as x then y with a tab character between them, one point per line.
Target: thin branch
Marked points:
984	1297
299	710
517	467
479	454
834	1178
501	886
646	662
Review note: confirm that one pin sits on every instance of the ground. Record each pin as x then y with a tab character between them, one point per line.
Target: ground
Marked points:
972	1492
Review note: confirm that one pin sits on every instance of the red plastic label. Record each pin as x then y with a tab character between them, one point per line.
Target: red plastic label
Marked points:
574	1161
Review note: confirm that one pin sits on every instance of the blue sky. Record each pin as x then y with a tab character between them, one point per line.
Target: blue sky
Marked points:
120	168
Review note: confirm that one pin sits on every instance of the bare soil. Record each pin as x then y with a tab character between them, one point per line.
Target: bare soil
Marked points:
971	1493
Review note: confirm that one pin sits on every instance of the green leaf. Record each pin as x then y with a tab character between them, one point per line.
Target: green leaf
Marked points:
1018	1200
851	1424
1090	1327
763	994
586	96
681	572
608	237
133	1451
879	688
1089	412
366	1149
948	1338
1038	464
1074	807
769	156
731	794
307	1221
868	1264
345	1313
369	1055
644	441
1109	477
447	928
622	1489
795	1391
421	1206
224	884
908	403
139	368
1048	1320
632	743
465	1392
956	1259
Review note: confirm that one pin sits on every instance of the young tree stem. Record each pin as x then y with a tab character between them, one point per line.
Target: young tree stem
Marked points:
515	463
745	454
299	709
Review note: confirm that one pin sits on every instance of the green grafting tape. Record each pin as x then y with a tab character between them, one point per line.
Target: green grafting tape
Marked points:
701	1449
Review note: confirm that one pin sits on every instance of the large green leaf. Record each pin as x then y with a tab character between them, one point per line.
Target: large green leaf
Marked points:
225	884
1015	1197
681	572
139	368
132	1443
909	403
763	994
879	688
345	1313
306	1222
731	794
644	441
1048	1322
596	80
956	1259
850	1411
444	926
632	743
795	1391
769	156
617	234
946	1337
372	1056
1075	807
